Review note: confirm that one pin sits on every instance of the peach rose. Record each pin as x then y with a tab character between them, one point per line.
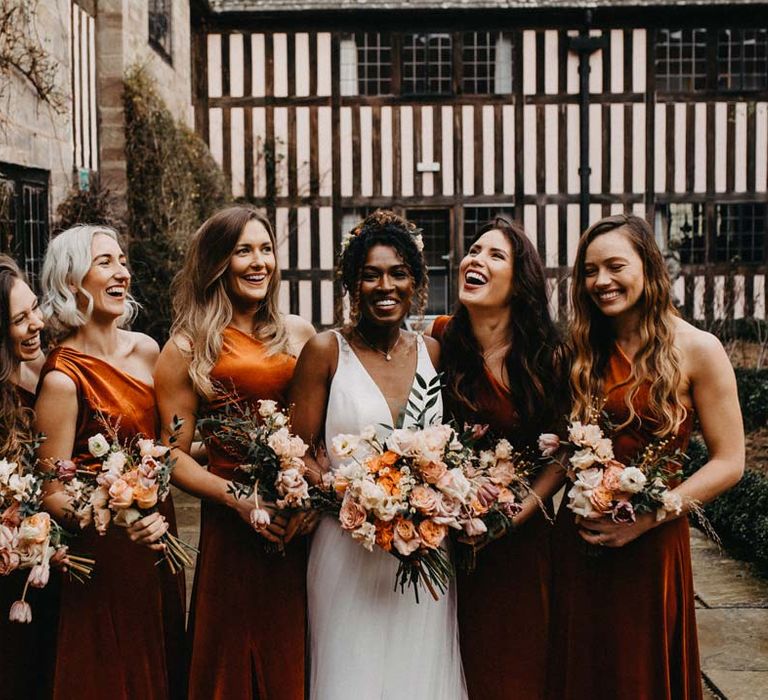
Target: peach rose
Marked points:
145	494
612	476
406	538
351	515
385	534
120	494
502	472
432	533
601	499
35	529
432	472
424	499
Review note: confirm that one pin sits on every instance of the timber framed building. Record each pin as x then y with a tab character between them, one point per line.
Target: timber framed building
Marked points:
554	113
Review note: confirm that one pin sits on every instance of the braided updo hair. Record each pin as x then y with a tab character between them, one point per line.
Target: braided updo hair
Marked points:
382	227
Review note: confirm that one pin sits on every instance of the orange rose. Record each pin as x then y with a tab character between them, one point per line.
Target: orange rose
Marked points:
432	533
378	462
385	533
389	482
601	499
131	477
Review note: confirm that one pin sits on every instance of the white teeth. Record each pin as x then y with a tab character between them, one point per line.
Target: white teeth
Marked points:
473	277
386	302
608	296
115	291
255	278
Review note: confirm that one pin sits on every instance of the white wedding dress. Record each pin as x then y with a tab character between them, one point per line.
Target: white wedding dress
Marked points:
369	641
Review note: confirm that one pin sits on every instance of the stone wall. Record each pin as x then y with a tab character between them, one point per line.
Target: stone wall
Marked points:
34	135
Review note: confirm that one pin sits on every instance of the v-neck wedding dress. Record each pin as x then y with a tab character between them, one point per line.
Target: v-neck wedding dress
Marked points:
369	641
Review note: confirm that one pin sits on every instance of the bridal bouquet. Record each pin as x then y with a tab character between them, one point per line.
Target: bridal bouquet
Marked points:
131	480
603	486
29	537
403	494
271	465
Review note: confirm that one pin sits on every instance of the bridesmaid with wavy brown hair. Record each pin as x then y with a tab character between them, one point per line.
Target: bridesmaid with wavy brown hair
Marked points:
503	364
623	623
230	344
121	633
26	650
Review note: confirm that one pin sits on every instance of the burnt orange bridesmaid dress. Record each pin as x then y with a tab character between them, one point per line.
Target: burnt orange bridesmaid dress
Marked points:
247	620
503	605
623	622
121	634
27	651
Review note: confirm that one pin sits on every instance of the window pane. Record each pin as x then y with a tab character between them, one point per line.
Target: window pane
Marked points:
681	59
427	64
486	63
742	59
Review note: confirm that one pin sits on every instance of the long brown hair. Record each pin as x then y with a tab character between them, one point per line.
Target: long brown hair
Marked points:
15	420
534	361
201	303
593	337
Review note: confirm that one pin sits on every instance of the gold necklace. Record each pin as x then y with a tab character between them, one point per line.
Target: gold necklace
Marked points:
388	353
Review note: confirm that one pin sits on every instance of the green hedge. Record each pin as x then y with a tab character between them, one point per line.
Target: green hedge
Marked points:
753	397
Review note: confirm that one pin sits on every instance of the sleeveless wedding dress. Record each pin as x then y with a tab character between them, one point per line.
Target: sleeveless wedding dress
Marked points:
369	641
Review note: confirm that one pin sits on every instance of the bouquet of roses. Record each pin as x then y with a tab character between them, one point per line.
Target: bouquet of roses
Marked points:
271	465
29	537
603	486
403	494
130	481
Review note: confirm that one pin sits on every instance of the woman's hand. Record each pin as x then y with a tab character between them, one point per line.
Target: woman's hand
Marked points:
148	531
603	532
301	523
274	532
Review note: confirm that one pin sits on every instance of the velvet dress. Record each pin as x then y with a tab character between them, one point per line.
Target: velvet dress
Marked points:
503	605
121	633
623	621
248	615
27	651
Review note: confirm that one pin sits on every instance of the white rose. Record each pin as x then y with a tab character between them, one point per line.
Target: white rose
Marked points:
583	459
98	445
370	495
592	434
632	480
672	502
402	441
267	408
344	445
604	449
578	501
590	478
455	484
366	535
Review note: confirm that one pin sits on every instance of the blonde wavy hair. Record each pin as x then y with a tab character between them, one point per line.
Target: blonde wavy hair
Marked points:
201	300
593	338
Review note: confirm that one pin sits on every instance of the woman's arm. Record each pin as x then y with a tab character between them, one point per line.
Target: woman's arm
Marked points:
176	397
715	399
56	417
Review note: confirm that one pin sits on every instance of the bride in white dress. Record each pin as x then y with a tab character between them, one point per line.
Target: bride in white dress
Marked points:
368	640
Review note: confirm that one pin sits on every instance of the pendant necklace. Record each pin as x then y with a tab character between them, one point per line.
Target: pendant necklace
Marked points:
387	353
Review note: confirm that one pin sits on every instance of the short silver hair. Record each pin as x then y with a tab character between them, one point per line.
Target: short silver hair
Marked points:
67	262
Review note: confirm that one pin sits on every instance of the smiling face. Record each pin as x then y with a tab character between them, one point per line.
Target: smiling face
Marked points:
486	272
613	273
26	322
251	265
386	287
108	279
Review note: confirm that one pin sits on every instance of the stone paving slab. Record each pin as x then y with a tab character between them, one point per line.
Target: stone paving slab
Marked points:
732	618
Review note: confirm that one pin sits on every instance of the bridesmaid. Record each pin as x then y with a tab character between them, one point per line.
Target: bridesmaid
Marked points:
623	622
26	650
502	359
229	340
121	633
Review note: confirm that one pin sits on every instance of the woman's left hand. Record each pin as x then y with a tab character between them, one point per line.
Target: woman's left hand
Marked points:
301	523
603	532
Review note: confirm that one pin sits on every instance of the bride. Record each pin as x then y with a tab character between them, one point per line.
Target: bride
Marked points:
366	639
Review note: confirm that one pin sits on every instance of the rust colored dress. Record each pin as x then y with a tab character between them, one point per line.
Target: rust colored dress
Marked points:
121	634
503	605
247	620
623	619
27	651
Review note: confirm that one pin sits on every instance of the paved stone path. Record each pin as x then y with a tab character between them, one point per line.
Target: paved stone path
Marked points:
732	612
